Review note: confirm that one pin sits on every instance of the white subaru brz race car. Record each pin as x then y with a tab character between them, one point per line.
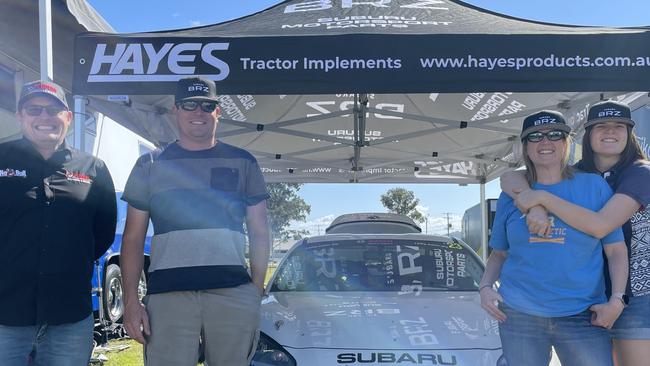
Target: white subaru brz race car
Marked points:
377	299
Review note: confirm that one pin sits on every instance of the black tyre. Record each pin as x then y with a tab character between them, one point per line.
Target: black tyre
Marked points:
113	296
113	292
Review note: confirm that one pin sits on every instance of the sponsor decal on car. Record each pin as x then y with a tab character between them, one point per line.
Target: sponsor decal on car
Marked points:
396	358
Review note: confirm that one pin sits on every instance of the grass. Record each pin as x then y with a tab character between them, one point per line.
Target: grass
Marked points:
132	355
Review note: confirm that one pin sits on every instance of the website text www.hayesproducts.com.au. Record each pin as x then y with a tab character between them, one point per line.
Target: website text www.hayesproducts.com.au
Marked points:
517	63
467	62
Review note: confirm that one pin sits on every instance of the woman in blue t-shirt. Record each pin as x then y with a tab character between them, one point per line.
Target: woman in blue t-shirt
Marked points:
611	149
552	288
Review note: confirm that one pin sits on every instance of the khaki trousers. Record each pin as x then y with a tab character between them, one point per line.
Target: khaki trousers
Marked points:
227	319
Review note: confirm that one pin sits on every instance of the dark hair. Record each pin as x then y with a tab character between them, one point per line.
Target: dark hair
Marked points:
630	154
531	173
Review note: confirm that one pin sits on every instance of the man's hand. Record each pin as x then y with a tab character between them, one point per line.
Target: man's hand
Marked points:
136	322
490	302
604	315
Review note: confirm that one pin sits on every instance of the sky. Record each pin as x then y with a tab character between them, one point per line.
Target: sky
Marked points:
437	201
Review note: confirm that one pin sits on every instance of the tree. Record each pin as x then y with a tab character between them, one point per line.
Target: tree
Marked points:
402	201
284	206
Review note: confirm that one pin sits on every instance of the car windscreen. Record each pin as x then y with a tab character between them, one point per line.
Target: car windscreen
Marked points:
379	265
372	228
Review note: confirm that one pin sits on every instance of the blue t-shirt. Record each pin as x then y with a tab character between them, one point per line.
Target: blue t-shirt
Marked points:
560	275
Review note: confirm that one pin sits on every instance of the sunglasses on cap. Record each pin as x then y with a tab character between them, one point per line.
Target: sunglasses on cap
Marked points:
36	110
191	105
554	135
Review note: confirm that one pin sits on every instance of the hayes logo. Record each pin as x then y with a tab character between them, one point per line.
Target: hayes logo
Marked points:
13	173
78	177
141	62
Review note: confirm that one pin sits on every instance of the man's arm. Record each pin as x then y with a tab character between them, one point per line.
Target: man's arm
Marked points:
614	214
606	314
513	183
105	218
258	238
489	297
136	320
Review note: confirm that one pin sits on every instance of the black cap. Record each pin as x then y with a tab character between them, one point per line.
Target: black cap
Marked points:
195	88
609	111
42	88
543	120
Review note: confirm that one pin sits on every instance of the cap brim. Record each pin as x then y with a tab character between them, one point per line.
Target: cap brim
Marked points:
548	126
29	96
596	121
198	99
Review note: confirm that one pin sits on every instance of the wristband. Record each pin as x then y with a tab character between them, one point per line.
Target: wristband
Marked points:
621	296
482	287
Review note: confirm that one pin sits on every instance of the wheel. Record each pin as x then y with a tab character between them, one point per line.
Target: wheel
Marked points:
113	294
113	297
142	286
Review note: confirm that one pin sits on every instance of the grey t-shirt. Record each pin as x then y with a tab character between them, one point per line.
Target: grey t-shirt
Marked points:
197	202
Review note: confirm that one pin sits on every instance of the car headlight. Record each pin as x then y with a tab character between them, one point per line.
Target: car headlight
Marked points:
502	361
270	353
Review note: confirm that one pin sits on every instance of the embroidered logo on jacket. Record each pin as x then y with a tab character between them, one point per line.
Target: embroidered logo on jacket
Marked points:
13	173
78	177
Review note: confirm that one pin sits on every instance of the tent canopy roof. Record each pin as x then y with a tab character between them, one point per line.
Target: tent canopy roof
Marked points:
417	91
335	17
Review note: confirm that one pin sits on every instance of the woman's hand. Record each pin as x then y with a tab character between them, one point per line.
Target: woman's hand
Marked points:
538	222
527	199
605	314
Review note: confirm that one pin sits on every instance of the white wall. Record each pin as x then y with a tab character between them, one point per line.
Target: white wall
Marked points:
119	148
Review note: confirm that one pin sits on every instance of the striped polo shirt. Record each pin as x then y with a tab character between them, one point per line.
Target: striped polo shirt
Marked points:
197	202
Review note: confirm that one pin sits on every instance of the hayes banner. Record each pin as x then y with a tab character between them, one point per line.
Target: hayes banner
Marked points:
363	63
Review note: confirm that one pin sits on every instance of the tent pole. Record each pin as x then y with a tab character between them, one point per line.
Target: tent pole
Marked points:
360	110
357	116
363	109
484	229
79	123
45	39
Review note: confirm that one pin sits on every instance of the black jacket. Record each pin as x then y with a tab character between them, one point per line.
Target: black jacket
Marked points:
56	217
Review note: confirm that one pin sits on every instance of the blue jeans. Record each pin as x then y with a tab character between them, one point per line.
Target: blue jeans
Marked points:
634	322
527	340
68	344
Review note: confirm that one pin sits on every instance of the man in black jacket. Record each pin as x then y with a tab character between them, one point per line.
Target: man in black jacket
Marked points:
57	216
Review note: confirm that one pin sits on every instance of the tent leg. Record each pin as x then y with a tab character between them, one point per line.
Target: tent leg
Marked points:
360	110
484	228
45	39
79	123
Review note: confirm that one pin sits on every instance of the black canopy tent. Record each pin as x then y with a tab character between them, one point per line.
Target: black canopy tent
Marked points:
401	91
347	91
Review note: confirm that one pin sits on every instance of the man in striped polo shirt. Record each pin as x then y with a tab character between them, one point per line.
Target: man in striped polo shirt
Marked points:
198	192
